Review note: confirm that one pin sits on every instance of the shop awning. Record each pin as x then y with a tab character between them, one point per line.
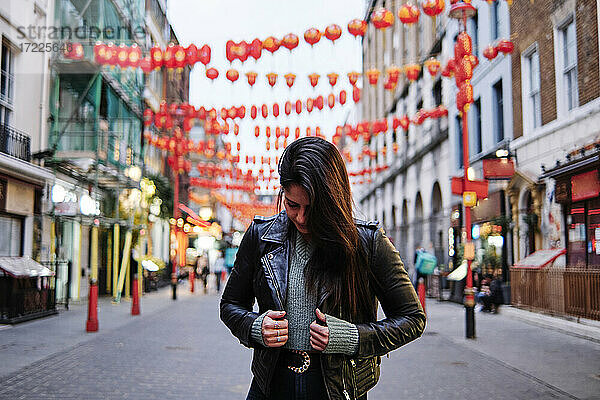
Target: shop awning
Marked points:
23	267
540	259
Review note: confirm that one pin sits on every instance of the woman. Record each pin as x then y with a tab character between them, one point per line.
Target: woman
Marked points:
317	274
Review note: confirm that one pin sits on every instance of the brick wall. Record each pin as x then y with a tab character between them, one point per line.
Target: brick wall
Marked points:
587	51
525	33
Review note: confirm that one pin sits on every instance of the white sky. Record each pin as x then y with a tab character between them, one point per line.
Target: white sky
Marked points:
213	22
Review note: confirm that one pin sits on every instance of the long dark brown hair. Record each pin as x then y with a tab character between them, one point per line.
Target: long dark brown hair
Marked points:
339	261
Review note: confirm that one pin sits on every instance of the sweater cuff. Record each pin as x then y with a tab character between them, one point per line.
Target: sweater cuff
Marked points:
256	331
343	336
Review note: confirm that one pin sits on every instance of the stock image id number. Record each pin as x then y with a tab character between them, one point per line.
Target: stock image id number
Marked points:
45	47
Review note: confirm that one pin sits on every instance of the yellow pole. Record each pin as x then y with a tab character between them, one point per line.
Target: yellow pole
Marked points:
108	263
79	261
124	266
115	260
52	241
127	276
94	255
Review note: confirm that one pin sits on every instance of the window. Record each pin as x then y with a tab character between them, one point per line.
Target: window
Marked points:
459	142
7	81
533	96
477	126
437	93
10	245
569	49
495	20
498	111
474	28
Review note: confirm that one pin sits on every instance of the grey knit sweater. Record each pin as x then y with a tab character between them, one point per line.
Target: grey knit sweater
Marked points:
300	311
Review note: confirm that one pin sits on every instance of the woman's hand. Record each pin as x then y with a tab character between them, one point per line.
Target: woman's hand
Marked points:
319	332
275	329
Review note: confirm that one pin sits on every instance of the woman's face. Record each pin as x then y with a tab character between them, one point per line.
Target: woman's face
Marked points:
297	204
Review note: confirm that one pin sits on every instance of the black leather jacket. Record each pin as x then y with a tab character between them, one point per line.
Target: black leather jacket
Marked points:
260	272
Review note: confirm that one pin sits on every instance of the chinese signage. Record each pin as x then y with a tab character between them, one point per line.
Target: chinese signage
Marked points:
585	186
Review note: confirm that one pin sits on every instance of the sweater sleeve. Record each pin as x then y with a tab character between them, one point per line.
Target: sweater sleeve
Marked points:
256	331
343	336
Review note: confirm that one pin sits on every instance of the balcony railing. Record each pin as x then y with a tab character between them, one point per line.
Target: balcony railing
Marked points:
15	143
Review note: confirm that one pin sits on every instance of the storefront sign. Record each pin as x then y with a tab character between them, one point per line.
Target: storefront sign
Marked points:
487	209
585	186
562	191
69	208
498	168
2	194
19	198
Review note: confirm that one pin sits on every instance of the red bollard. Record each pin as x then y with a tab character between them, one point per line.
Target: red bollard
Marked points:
192	280
135	305
421	292
92	321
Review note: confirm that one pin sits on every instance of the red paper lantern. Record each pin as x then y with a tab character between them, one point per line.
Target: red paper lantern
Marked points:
180	57
236	130
146	65
251	76
393	74
412	72
505	46
278	132
156	56
298	107
135	56
314	79
272	78
463	46
319	102
265	111
353	77
297	133
333	32
331	100
357	27
99	53
373	76
191	55
232	75
312	36
112	54
342	97
464	97
169	56
356	94
408	14
212	74
123	56
238	146
148	117
309	104
256	131
382	18
404	122
271	44
288	108
256	49
433	8
433	66
463	71
253	112
290	41
490	52
276	110
268	132
332	78
389	85
289	79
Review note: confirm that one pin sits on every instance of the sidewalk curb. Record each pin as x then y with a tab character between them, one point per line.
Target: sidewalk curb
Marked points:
586	329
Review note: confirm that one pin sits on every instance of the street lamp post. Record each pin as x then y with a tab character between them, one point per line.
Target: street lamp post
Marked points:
461	11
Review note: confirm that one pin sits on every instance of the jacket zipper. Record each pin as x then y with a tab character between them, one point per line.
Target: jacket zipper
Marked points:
275	284
345	391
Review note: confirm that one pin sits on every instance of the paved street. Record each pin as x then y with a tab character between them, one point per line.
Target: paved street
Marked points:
178	350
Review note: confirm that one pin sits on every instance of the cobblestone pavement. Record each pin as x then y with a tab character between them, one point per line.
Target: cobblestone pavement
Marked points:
180	350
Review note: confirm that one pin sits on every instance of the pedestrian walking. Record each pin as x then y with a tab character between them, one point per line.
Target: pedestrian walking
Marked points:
316	273
217	267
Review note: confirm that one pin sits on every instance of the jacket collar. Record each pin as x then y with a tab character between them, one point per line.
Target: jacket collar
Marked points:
277	230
